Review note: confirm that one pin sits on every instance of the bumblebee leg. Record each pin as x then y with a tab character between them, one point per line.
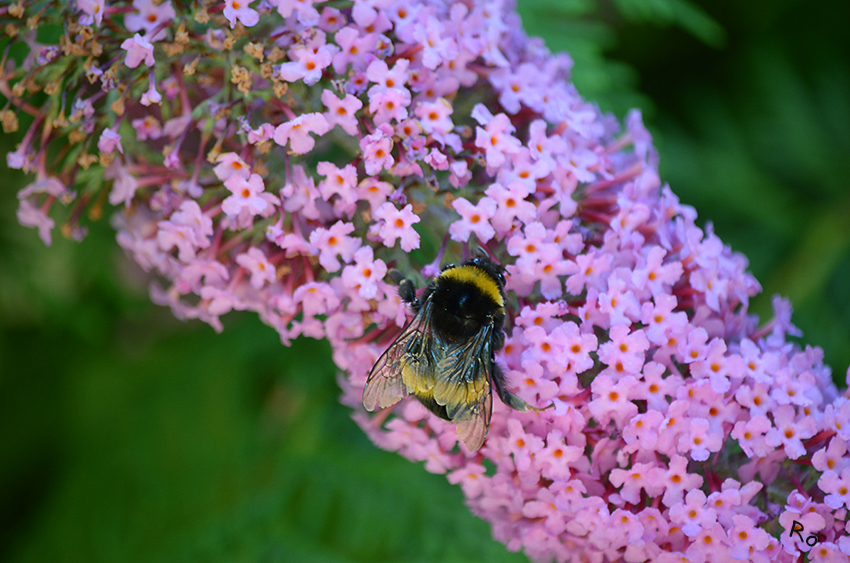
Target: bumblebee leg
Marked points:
500	383
406	289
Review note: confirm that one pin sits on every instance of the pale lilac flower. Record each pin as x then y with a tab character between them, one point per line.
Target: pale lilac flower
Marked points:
238	10
365	273
308	64
139	50
147	128
334	244
262	271
93	9
397	224
297	132
473	219
246	195
109	141
377	150
149	17
341	112
230	164
30	216
125	185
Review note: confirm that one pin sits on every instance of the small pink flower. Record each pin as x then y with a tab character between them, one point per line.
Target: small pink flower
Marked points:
389	104
246	195
435	116
151	97
353	48
125	185
334	243
511	204
377	150
297	132
693	515
149	17
308	64
750	435
138	49
473	219
495	139
306	12
384	77
93	9
342	112
699	441
790	430
238	10
230	164
365	273
677	480
262	271
30	216
397	225
109	141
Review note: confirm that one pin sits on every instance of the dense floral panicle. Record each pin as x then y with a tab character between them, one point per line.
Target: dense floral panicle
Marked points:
281	156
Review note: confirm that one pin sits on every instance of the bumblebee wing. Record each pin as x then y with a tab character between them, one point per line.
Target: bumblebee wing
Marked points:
407	366
463	386
473	430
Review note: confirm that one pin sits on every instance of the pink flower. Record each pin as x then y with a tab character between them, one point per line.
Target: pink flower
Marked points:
93	9
30	216
307	13
341	112
473	219
238	10
397	225
435	116
389	104
125	185
138	49
297	132
436	47
109	141
693	514
699	441
308	64
365	273
149	17
262	271
353	48
246	195
750	436
377	150
511	205
837	488
334	243
151	96
229	165
386	78
790	430
495	138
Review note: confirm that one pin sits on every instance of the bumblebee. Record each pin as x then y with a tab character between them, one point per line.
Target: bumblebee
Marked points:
445	356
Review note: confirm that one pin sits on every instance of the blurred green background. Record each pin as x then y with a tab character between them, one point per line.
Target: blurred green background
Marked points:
126	435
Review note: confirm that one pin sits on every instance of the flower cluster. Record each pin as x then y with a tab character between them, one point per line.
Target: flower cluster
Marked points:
279	156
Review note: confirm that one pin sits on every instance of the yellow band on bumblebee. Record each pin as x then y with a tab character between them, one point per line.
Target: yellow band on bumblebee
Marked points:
477	277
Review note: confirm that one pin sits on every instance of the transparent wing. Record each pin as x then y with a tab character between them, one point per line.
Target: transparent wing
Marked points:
473	430
407	366
462	385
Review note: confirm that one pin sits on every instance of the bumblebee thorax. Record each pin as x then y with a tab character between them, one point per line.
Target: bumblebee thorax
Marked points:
465	300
